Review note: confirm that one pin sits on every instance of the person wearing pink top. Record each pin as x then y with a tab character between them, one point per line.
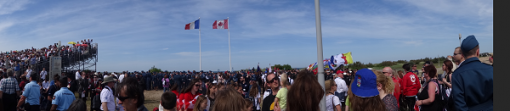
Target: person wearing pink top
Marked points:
166	83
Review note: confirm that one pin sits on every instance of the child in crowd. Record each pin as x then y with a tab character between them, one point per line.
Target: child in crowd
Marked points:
201	104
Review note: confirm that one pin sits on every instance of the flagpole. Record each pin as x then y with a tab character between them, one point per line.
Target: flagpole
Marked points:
320	65
200	43
229	54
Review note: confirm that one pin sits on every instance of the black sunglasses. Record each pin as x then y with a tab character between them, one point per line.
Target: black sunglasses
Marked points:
385	72
122	98
197	85
272	80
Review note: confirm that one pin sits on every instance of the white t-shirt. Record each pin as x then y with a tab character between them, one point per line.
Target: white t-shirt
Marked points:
341	86
257	103
291	81
330	100
43	75
77	75
28	73
107	96
46	85
121	77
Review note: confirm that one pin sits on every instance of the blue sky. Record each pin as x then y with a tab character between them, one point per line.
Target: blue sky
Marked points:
137	34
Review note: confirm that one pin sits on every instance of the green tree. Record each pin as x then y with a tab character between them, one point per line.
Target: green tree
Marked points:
154	69
370	65
282	67
356	65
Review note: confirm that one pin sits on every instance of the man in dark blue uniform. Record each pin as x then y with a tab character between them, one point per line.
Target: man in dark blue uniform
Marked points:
178	81
148	79
154	80
171	76
473	80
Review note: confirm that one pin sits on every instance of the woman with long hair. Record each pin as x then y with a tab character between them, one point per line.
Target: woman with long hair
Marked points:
211	95
385	87
429	98
365	96
255	94
332	101
448	66
305	94
201	104
174	90
166	83
188	96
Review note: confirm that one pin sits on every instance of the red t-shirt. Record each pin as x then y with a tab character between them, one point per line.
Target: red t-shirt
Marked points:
176	93
396	91
22	84
187	100
410	84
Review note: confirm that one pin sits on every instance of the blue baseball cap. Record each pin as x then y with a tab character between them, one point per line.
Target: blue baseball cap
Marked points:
365	84
468	43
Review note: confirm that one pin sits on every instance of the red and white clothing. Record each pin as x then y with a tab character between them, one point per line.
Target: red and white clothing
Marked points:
410	84
187	100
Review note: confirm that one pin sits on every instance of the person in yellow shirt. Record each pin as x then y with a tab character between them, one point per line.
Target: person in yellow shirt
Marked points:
281	97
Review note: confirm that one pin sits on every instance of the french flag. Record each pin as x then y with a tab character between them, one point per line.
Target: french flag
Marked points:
220	24
193	25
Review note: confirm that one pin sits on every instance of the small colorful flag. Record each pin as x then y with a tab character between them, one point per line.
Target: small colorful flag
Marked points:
193	25
220	24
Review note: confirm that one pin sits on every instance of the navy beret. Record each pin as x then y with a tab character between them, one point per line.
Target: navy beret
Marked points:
469	43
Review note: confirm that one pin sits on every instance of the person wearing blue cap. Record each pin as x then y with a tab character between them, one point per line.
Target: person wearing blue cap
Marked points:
473	80
365	93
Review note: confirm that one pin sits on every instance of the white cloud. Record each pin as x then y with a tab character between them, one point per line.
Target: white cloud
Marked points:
11	6
5	25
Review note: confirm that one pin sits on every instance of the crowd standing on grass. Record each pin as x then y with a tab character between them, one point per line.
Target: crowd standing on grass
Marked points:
465	84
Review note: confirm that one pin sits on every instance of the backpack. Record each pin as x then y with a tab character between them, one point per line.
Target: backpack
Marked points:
444	97
441	91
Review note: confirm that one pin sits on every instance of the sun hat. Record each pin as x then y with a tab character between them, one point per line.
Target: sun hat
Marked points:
108	79
365	84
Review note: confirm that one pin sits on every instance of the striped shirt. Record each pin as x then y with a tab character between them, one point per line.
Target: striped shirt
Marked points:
9	85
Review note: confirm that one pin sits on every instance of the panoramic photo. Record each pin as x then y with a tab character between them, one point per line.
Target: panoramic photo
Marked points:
246	55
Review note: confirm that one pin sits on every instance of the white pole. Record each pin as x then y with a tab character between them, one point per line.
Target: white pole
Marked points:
199	43
320	66
229	54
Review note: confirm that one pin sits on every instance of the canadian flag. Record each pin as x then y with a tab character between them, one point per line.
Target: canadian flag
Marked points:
220	24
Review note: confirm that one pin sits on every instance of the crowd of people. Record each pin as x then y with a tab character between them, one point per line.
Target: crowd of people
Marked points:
466	84
34	59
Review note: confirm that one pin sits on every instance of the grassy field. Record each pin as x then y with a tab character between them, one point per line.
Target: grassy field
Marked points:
152	99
